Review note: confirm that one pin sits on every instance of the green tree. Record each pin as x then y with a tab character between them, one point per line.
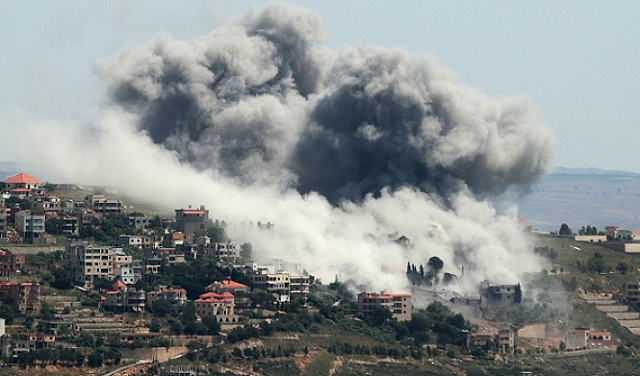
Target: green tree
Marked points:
161	307
7	313
188	313
217	234
212	325
381	316
61	279
94	360
54	226
565	230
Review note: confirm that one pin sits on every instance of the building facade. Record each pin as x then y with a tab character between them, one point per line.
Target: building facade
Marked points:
228	249
218	306
399	304
23	296
22	184
632	291
10	264
176	296
122	298
587	338
278	284
101	205
87	262
190	221
30	225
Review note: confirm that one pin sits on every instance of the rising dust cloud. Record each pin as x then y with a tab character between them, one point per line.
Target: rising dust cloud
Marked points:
338	148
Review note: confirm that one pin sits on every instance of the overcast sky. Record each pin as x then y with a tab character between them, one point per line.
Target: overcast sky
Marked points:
578	60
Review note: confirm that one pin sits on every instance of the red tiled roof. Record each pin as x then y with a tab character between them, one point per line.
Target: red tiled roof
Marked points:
213	295
233	284
118	283
22	178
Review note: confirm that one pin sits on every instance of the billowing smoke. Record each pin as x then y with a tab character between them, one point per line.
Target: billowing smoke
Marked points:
259	121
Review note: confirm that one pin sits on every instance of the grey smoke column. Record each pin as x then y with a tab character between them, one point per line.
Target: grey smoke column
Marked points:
259	101
390	119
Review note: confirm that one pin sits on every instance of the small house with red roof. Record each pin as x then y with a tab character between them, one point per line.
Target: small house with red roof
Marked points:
22	184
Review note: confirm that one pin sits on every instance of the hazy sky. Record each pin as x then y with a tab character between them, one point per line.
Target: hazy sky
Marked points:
578	60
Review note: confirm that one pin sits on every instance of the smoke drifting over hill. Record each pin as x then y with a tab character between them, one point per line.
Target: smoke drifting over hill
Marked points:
259	121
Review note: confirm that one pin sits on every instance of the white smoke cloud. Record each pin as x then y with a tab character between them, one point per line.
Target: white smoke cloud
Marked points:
259	122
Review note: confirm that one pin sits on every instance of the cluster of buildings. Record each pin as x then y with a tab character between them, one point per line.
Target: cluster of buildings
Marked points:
26	205
623	240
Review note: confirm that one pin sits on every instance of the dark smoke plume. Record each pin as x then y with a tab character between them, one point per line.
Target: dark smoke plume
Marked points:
239	117
261	102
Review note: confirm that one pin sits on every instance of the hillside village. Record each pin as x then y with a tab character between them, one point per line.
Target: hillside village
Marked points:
116	284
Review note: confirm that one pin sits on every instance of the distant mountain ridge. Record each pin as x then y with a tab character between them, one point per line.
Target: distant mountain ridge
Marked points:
590	171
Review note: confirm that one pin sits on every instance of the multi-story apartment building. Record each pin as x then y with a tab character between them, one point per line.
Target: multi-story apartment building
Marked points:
278	284
141	222
88	217
46	203
100	204
122	298
10	264
300	287
218	306
501	293
228	249
176	296
87	262
122	267
30	225
632	291
189	221
70	225
24	296
399	304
